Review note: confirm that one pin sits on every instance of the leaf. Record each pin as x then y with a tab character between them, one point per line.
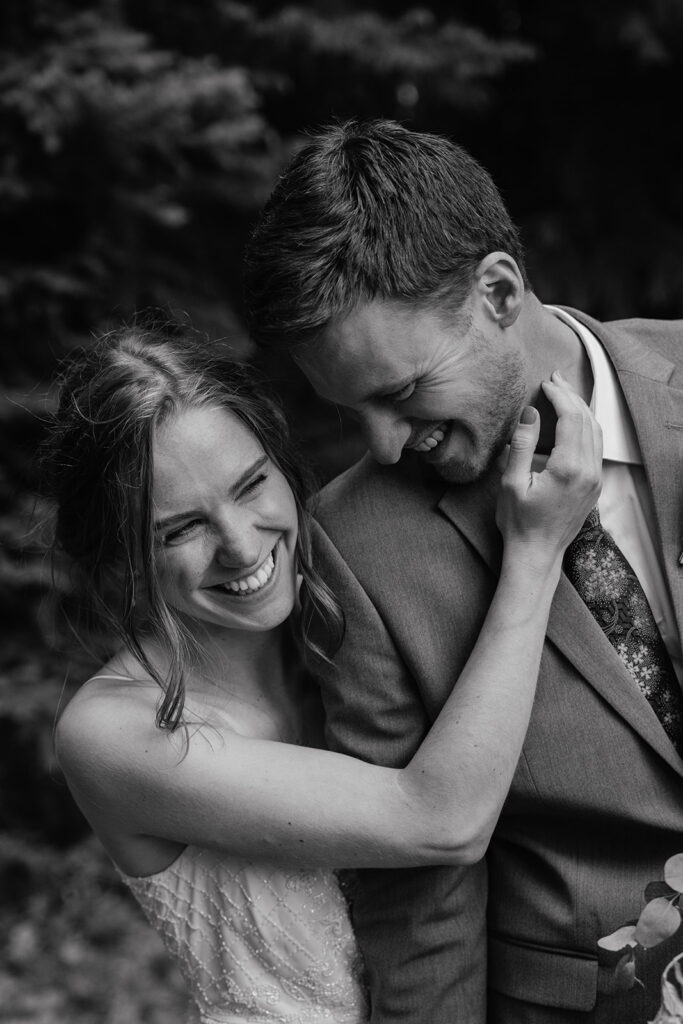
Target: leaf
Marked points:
658	921
654	889
673	872
619	939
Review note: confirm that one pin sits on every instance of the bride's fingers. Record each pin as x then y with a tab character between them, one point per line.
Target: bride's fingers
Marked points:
578	437
522	447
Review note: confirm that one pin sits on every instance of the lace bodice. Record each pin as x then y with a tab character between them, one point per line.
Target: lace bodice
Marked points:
257	944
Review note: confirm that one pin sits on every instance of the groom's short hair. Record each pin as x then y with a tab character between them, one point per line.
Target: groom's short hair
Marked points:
371	210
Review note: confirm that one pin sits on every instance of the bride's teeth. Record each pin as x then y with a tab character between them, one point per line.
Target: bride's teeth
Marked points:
255	580
438	436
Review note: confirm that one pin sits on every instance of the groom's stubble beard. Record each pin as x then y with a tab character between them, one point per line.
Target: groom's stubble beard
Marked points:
506	391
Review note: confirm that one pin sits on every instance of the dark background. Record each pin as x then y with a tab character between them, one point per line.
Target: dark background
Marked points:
137	142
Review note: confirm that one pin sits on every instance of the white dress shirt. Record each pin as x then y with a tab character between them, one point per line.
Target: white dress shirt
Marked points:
625	504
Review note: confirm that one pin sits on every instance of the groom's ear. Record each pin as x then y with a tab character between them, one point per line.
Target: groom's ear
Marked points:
500	286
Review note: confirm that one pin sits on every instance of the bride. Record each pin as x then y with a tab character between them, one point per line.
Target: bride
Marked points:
197	752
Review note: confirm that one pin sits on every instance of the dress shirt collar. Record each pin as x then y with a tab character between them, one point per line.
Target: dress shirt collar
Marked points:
607	401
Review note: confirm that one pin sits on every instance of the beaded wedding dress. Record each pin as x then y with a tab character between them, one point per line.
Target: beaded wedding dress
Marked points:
257	944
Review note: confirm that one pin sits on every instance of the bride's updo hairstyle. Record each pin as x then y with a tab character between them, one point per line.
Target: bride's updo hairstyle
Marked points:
98	466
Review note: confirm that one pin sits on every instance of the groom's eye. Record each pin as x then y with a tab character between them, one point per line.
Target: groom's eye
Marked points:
402	393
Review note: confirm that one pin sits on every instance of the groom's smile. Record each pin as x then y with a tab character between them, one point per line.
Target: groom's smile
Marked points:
448	391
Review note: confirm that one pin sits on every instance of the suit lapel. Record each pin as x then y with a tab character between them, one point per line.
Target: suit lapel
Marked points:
571	627
657	412
574	631
471	509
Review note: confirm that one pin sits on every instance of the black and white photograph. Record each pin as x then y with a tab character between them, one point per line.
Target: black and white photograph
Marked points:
341	512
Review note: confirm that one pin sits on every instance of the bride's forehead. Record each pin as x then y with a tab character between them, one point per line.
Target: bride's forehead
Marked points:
202	426
204	436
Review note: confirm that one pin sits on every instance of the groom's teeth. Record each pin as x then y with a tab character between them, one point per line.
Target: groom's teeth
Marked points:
427	444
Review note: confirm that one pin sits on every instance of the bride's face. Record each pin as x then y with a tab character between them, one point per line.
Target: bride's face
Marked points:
225	523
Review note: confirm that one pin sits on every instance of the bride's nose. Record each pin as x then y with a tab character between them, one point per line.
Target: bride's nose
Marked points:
238	543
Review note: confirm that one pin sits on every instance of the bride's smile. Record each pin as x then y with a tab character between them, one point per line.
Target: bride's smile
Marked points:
225	523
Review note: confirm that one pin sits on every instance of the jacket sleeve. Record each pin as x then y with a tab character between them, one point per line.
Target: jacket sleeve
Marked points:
421	931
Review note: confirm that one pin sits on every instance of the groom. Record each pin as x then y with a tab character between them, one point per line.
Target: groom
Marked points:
388	263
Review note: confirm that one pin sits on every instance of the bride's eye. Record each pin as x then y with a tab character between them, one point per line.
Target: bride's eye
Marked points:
181	533
255	483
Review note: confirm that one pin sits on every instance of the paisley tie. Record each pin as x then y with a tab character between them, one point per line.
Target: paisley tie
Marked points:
609	587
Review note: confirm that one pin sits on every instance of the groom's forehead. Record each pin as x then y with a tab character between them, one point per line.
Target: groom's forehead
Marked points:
351	368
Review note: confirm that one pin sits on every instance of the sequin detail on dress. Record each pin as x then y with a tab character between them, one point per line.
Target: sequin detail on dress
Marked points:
257	944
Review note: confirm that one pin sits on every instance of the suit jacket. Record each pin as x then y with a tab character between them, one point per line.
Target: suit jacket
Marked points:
596	804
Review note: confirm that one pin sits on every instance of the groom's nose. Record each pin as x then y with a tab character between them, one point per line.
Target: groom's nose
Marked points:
385	434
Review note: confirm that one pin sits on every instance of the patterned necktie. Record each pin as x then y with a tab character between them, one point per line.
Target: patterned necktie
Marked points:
609	587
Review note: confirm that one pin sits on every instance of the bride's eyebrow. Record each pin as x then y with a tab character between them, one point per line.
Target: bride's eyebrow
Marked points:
258	464
249	472
254	468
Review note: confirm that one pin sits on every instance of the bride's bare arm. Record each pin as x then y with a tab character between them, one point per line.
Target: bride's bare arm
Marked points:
262	799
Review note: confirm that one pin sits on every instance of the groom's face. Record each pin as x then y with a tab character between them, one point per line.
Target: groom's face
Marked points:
450	391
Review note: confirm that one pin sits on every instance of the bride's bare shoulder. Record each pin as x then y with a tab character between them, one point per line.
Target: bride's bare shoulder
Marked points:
111	710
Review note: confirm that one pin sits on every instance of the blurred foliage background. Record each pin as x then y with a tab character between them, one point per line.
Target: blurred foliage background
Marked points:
138	139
